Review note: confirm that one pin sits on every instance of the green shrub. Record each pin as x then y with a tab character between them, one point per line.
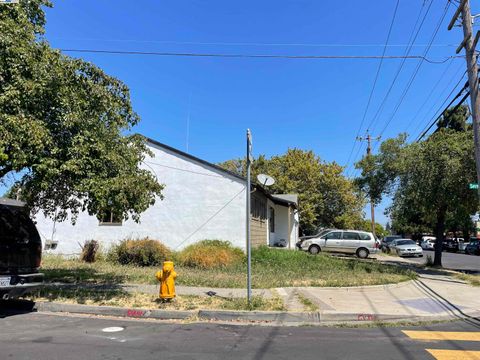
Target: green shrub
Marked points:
209	254
89	251
142	252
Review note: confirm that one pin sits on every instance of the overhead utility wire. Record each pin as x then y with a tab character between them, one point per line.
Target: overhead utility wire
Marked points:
374	82
416	71
258	56
446	108
448	96
419	126
440	78
412	38
173	42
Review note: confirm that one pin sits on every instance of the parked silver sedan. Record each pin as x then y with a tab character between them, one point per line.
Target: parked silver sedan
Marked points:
406	247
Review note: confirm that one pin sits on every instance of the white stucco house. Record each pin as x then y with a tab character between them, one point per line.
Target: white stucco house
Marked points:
201	201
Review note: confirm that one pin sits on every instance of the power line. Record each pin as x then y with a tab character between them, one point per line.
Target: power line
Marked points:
446	107
441	94
259	44
258	56
440	78
409	84
375	80
412	38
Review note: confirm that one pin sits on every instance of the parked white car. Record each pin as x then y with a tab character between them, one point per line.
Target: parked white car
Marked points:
406	247
356	242
428	244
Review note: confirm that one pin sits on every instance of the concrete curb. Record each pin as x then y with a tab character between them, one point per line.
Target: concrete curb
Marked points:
114	311
273	317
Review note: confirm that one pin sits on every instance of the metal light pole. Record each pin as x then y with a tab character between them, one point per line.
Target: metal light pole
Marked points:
249	247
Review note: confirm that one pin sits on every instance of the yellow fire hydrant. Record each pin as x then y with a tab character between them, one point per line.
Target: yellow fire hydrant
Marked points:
167	277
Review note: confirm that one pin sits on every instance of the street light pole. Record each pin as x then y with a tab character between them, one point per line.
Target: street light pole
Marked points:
248	192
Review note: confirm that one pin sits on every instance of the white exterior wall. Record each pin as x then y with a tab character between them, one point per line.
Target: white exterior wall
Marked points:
199	203
282	223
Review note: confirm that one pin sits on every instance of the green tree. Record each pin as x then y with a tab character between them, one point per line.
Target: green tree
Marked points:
380	231
455	119
61	125
326	197
429	182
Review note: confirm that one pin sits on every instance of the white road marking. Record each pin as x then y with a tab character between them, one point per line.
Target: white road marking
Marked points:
113	329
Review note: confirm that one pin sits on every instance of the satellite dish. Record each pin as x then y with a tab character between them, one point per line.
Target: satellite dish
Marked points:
265	180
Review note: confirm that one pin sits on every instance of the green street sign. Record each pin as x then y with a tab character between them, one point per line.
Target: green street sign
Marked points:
473	186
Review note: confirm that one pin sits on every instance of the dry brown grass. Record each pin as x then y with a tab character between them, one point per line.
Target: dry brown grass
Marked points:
147	301
210	254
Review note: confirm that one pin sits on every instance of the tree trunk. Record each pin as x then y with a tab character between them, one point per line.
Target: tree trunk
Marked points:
439	230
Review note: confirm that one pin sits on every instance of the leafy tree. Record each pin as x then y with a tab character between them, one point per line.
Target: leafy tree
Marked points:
61	125
429	182
380	231
326	197
455	118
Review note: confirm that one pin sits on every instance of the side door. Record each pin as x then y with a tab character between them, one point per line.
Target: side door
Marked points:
350	242
333	241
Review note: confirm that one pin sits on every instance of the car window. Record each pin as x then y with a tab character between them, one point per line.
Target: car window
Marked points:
364	236
334	235
347	235
405	242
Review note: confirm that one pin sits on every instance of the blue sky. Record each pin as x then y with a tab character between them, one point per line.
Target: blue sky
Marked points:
308	104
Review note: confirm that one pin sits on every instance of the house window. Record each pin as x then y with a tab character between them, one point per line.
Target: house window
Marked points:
258	208
110	218
272	220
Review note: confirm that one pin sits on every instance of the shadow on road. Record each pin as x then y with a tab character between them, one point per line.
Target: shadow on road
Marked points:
16	307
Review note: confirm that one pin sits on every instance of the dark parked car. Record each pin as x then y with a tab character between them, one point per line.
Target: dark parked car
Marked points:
20	251
387	241
473	248
450	245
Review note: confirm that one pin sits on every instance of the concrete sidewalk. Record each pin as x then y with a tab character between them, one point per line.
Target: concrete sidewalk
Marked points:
425	297
429	297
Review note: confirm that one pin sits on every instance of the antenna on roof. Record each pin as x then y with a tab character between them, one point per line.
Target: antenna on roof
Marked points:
265	180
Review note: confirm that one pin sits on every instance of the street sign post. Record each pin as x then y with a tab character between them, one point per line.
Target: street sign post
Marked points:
473	186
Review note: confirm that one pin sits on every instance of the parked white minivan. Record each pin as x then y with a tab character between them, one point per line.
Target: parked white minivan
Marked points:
361	243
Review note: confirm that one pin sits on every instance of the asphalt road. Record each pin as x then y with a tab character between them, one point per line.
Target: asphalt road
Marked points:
454	261
39	336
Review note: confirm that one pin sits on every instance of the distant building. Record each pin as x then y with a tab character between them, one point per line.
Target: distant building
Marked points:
201	201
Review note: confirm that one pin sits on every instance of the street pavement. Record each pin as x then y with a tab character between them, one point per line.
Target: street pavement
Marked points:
35	336
453	261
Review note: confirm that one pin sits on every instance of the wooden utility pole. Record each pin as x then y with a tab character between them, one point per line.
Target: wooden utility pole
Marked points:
369	139
470	43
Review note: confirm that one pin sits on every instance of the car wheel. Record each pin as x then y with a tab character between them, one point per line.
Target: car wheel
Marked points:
314	249
362	253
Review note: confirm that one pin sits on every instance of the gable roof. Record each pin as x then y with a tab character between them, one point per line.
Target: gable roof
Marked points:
288	200
194	158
